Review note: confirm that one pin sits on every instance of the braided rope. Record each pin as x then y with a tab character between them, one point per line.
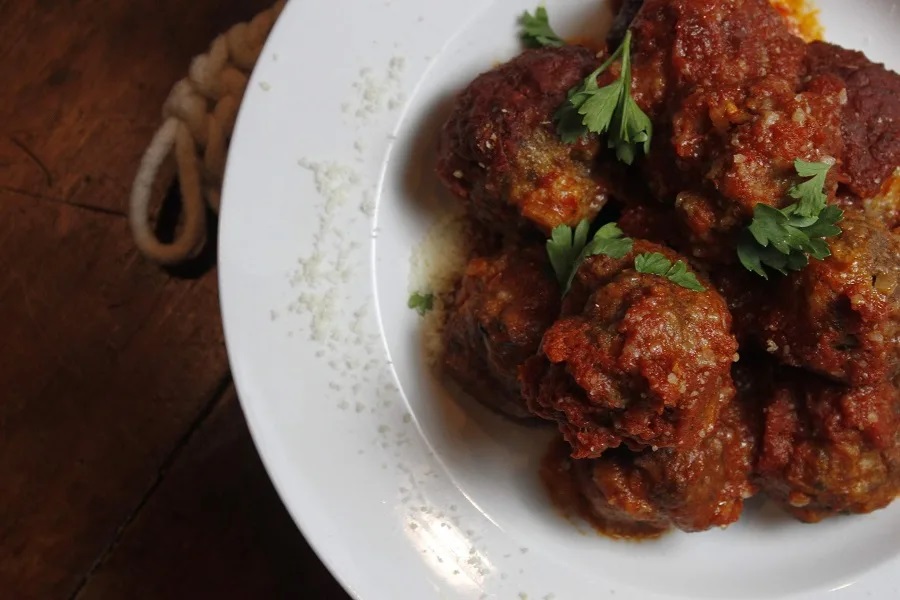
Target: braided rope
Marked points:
198	119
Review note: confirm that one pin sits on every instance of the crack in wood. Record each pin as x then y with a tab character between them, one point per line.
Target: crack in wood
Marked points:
218	395
48	177
53	200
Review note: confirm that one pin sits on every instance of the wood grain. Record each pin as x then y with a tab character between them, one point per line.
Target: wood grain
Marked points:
215	503
109	364
84	82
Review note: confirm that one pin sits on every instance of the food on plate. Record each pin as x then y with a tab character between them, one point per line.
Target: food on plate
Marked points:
633	359
829	449
841	316
692	489
499	152
734	115
870	125
716	310
502	307
870	129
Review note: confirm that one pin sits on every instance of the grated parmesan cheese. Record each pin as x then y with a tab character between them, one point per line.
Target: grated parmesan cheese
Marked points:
346	346
373	94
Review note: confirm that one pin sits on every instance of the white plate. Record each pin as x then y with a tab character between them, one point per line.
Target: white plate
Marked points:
404	493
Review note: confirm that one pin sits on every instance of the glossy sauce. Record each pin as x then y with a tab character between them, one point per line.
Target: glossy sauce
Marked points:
558	479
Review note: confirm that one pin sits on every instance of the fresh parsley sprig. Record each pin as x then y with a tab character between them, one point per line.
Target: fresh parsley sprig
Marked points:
784	239
421	303
568	248
654	263
810	193
608	109
536	30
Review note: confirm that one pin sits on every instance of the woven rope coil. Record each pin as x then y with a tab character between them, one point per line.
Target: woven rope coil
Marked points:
198	119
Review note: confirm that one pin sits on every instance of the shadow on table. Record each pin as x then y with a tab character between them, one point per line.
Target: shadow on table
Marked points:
213	528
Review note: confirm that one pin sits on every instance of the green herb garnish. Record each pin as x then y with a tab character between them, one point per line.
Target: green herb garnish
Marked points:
657	264
421	303
785	239
536	30
608	109
568	248
810	193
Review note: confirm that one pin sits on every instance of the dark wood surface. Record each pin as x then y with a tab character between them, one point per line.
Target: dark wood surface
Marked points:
126	470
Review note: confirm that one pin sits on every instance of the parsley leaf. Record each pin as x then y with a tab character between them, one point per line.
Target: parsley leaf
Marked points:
811	192
609	240
568	248
784	239
536	30
564	246
421	303
608	109
652	263
657	264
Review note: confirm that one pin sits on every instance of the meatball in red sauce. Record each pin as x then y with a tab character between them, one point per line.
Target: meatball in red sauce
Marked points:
871	117
828	449
840	316
740	145
870	129
635	360
692	489
501	310
683	45
723	81
663	423
499	151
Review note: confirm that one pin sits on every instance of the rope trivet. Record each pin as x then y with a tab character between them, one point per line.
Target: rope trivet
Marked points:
198	119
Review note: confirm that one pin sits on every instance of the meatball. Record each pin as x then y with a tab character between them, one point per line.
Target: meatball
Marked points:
496	320
500	153
692	489
841	316
636	359
870	129
722	81
680	46
871	116
829	449
683	45
740	145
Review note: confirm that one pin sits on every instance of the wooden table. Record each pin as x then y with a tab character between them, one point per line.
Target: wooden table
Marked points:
126	469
